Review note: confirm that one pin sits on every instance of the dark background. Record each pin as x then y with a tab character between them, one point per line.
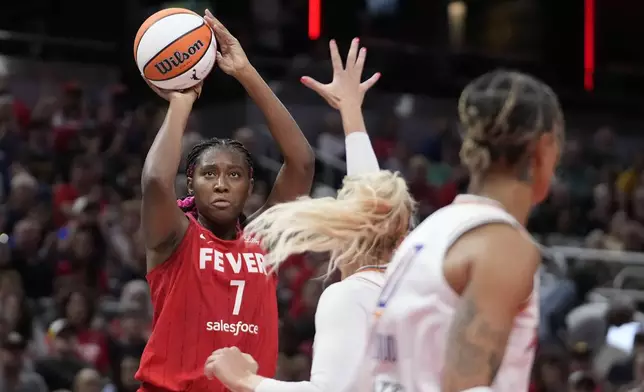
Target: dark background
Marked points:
542	36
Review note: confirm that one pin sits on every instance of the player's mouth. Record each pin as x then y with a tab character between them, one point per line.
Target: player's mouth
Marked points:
221	203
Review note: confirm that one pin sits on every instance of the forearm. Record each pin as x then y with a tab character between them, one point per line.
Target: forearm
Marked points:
340	343
475	351
164	157
287	134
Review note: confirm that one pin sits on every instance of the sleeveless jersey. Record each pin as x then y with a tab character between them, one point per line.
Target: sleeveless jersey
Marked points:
416	306
209	294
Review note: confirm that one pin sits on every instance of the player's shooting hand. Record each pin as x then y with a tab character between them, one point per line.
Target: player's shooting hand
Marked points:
189	95
345	89
236	370
231	58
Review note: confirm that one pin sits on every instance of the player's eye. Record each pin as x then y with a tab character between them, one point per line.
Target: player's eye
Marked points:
209	173
235	174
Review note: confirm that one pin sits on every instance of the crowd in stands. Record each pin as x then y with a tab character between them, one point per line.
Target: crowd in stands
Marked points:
74	304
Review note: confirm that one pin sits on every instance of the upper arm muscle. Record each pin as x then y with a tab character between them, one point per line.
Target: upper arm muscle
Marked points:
500	281
163	222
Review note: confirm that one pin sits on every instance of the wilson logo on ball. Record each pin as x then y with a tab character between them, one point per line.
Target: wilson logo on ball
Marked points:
178	58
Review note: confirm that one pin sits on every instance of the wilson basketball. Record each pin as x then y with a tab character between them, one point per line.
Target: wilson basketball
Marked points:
175	49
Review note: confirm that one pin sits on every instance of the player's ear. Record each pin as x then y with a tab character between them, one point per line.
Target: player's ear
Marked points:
189	186
250	186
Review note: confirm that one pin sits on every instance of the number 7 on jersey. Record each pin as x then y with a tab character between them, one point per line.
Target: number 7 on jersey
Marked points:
240	284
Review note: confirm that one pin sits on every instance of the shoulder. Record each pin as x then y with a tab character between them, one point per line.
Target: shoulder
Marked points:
502	261
344	298
501	240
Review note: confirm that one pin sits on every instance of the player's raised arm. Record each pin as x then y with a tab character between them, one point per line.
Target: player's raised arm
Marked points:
346	93
296	175
163	222
501	281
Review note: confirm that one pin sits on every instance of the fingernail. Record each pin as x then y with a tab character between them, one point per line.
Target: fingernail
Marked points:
357	39
303	79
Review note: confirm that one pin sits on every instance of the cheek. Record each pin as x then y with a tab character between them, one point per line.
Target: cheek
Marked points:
240	190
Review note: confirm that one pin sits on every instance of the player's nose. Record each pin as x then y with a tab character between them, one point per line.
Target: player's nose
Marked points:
221	186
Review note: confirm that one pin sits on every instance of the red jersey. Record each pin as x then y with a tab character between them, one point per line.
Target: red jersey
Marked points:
209	294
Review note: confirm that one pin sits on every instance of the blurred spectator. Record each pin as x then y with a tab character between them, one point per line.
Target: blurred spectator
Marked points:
15	376
622	373
127	344
127	369
78	309
249	138
397	160
574	172
630	178
419	186
87	380
60	366
385	139
549	371
330	143
602	152
581	381
589	324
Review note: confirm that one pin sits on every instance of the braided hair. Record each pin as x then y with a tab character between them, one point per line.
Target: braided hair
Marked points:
187	203
502	113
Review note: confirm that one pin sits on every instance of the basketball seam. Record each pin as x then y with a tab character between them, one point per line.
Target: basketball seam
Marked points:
136	50
170	44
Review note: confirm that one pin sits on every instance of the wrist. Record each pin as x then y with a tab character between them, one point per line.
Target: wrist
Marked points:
250	383
245	73
352	119
348	107
183	101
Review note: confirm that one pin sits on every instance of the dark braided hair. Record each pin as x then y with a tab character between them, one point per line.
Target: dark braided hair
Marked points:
187	204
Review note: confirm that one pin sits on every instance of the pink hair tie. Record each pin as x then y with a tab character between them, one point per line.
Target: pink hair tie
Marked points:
183	203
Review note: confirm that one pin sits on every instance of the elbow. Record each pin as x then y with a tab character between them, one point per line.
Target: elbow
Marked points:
307	161
307	166
301	162
151	179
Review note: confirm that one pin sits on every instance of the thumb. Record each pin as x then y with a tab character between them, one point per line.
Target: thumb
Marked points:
313	84
367	84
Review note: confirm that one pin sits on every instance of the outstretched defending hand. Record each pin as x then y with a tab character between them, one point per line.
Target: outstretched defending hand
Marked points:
232	367
231	58
345	89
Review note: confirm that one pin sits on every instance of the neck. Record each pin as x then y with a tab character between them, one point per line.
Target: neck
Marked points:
224	232
349	270
515	196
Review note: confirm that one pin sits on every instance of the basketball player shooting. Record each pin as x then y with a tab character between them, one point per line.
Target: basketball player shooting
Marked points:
360	229
459	309
209	286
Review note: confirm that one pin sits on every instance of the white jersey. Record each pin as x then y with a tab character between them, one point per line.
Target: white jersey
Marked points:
416	306
343	316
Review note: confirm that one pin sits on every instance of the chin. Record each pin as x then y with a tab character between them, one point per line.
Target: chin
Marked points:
223	217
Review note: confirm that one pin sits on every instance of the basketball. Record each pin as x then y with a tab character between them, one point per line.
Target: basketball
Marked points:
175	49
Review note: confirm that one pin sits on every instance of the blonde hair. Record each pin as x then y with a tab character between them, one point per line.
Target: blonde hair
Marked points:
363	224
502	113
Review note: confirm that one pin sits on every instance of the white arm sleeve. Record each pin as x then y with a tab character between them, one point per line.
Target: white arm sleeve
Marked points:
360	155
340	342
